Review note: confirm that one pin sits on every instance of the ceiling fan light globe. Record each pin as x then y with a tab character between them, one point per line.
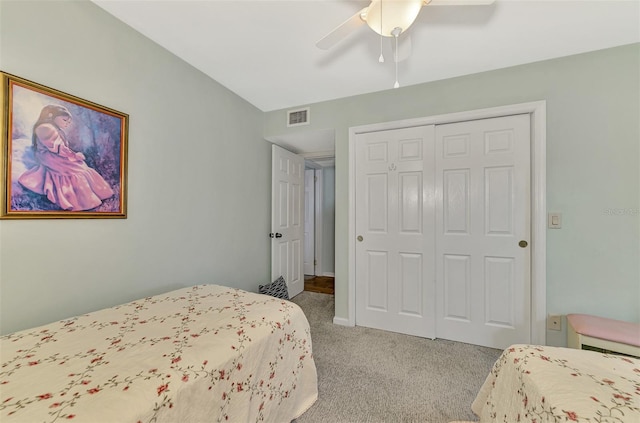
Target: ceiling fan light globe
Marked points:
395	14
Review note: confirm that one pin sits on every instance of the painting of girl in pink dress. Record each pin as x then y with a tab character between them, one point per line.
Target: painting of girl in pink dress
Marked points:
67	157
61	174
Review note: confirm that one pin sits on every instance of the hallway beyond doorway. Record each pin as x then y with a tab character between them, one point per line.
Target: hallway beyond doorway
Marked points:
322	284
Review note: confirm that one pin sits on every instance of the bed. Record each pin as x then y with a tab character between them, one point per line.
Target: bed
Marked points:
203	353
531	383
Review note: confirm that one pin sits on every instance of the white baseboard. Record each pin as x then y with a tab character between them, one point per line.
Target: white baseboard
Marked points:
341	321
331	274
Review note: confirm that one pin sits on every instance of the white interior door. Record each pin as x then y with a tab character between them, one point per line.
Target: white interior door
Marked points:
309	221
395	231
287	206
483	214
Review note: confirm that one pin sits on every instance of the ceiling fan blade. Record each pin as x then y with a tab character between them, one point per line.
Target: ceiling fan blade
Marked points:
341	31
460	2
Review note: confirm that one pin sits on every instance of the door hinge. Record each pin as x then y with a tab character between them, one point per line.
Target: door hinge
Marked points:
315	262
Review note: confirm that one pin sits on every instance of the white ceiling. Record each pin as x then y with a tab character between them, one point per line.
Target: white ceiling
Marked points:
264	50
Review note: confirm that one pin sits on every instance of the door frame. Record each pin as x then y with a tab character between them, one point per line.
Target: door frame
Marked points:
318	209
319	221
537	113
314	226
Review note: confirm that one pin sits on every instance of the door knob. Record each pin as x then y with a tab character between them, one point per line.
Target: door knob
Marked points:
523	243
276	235
360	238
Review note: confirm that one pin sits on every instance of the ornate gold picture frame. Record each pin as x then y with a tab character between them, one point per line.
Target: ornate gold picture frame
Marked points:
62	156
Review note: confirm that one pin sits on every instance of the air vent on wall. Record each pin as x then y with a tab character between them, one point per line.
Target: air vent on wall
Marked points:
298	117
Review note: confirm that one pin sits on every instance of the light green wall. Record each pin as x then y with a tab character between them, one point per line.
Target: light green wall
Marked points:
593	157
189	136
193	215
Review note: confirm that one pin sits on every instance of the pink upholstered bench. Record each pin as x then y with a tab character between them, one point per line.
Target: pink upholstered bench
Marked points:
600	332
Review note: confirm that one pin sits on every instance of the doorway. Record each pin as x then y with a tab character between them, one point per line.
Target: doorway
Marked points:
317	148
319	241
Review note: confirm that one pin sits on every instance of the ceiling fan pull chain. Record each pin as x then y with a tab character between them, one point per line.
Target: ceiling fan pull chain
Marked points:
396	33
381	58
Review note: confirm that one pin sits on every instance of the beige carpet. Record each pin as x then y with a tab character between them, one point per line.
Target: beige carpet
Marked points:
372	376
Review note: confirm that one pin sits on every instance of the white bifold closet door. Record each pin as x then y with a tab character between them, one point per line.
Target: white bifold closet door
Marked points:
483	231
394	229
442	231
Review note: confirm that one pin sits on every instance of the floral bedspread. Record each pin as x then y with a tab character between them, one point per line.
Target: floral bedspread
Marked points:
204	353
531	383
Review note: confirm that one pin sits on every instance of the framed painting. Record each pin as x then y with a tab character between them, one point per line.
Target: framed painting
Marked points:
62	156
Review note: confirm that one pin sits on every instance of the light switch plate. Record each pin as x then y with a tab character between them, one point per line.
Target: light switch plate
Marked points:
555	220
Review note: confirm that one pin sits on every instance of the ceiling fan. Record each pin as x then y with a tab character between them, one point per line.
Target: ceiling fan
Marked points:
388	18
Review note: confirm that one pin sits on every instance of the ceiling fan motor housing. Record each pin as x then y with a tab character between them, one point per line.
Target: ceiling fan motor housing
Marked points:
386	16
